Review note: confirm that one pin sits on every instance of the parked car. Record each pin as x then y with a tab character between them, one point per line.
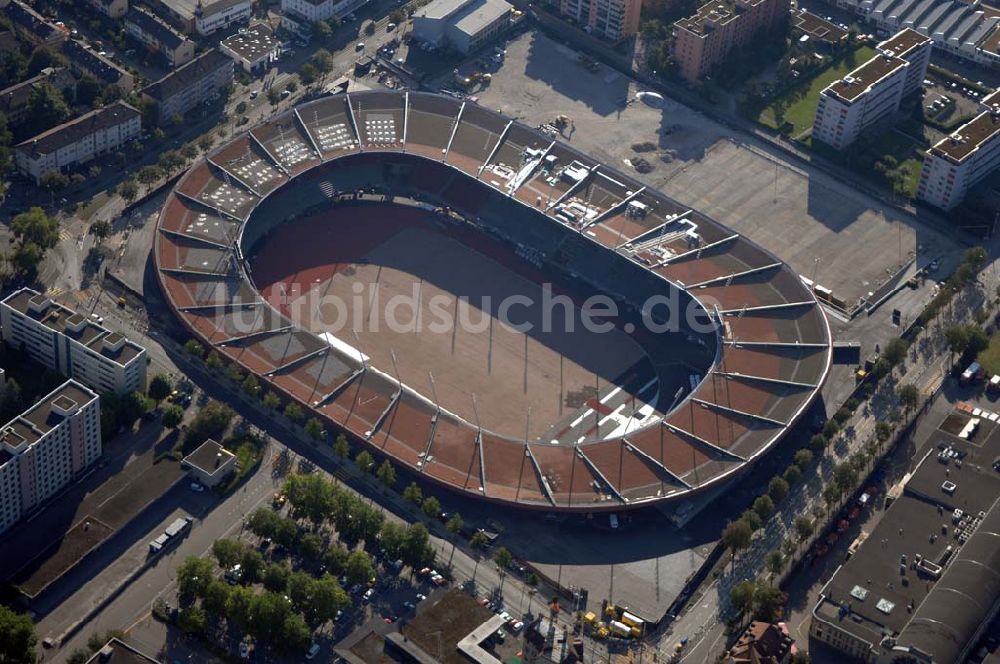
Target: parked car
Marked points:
313	651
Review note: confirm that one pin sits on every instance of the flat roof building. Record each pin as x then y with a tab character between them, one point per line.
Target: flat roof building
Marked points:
158	36
253	48
203	16
210	463
873	91
78	141
613	20
703	41
190	85
44	449
926	581
957	162
71	343
463	25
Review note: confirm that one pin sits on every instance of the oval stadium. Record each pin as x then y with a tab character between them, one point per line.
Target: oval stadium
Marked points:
488	307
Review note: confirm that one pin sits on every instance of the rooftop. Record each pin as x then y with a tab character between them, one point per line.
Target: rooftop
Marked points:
188	9
965	140
903	42
46	414
27	18
708	17
859	81
117	651
155	27
18	94
93	62
818	27
208	457
479	14
66	134
252	43
881	591
184	77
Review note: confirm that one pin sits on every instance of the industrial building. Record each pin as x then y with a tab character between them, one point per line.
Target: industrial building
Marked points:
71	343
99	132
957	162
462	25
926	581
873	91
44	449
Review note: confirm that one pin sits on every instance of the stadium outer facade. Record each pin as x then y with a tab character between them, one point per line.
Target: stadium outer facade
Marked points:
774	343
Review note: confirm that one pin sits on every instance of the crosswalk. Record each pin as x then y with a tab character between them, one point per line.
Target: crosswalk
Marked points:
55	292
64	234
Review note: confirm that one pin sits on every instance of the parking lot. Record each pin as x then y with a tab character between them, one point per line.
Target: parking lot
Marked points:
825	229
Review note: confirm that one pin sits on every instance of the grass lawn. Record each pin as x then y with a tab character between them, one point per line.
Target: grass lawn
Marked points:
802	111
862	155
990	358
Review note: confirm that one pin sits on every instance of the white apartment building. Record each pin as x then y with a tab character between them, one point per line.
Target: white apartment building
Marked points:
44	449
71	343
873	91
78	141
955	163
203	16
319	10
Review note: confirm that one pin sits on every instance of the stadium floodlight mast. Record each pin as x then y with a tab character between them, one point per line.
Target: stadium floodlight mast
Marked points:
475	411
357	347
434	396
395	367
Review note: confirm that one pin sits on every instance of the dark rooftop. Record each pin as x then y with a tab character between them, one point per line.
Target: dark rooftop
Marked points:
92	62
117	651
42	417
818	27
184	77
153	26
24	16
852	86
965	140
903	42
74	130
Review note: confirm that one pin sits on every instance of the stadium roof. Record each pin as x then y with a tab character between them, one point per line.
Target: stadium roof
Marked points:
773	347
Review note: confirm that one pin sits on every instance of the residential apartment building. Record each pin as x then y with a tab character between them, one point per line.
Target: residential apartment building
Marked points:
48	446
14	100
86	61
611	19
957	162
73	344
319	10
111	8
705	40
961	28
462	25
91	135
190	85
203	16
253	48
158	36
32	27
873	91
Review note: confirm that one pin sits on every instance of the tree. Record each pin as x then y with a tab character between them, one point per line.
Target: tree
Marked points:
908	396
292	86
310	495
128	190
101	228
267	615
170	161
271	401
768	601
341	447
803	458
238	606
818	443
883	430
792	474
803	528
17	637
417	550
36	227
46	109
293	411
311	546
159	388
832	494
43	57
742	597
192	620
478	542
763	506
975	257
359	568
173	415
251	385
752	519
228	552
210	422
148	175
413	494
392	536
314	429
431	506
736	536
299	589
503	559
845	475
454	526
775	562
308	74
194	575
295	634
895	351
215	597
322	30
275	577
251	565
777	489
386	474
274	95
323	61
335	559
234	373
133	406
189	151
326	600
